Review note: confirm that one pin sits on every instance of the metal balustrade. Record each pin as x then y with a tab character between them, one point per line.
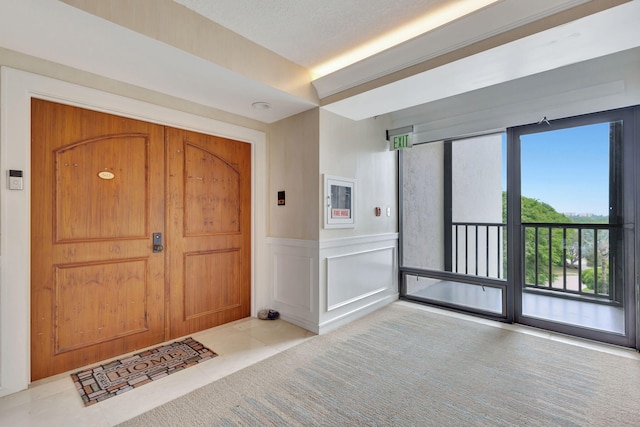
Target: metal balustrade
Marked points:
479	249
566	258
571	258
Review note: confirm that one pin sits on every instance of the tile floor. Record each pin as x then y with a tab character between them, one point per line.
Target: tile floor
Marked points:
54	402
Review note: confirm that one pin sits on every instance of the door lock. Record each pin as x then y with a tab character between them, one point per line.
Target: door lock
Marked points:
157	242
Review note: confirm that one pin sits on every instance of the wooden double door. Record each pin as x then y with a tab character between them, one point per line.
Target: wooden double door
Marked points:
103	189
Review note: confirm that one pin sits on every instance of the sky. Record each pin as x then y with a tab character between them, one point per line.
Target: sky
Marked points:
567	168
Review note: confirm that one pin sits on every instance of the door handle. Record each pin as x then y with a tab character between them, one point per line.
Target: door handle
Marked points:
157	242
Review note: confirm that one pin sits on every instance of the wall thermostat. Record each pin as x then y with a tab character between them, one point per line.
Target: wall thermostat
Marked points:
15	180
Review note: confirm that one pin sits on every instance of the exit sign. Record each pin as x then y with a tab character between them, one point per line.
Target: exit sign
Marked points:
398	142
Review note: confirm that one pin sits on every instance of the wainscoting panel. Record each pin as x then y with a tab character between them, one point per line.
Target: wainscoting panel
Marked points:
294	280
358	275
322	285
355	276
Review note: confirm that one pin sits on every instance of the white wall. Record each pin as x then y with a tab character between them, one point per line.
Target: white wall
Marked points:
293	168
293	228
359	150
322	278
358	266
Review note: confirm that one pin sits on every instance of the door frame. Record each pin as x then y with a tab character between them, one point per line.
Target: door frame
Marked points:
16	90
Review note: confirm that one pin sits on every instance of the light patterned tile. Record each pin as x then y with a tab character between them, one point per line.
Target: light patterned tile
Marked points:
61	409
37	391
279	334
55	401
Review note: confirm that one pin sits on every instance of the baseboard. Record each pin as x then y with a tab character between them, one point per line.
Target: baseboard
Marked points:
303	323
357	313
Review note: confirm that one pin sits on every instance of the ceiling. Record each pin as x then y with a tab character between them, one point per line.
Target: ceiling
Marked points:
312	32
497	43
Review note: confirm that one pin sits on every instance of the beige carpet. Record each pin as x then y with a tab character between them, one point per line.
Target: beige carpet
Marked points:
402	366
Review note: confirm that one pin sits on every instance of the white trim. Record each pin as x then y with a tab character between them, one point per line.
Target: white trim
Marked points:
350	254
357	240
296	243
354	299
16	90
356	313
298	321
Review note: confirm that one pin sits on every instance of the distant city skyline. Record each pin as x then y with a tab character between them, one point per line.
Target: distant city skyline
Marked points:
585	214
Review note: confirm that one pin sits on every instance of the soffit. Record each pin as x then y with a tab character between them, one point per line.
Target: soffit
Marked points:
310	32
605	33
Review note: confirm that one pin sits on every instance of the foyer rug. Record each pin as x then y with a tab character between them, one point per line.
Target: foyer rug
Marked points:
402	366
119	376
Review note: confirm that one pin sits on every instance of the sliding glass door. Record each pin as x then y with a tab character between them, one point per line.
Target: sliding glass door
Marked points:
570	201
535	225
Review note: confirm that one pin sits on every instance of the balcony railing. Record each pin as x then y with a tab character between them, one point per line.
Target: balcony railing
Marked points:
479	248
567	258
571	258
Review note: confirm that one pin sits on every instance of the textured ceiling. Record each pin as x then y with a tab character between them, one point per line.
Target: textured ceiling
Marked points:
310	32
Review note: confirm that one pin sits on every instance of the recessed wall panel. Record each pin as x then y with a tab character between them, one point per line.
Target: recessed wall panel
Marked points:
351	277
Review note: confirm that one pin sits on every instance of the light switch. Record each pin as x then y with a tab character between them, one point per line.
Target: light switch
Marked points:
388	211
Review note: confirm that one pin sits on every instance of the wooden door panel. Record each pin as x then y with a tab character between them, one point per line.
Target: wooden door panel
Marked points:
107	177
209	224
97	289
202	296
212	189
98	302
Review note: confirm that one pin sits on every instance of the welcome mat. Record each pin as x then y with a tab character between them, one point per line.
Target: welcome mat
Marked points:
119	376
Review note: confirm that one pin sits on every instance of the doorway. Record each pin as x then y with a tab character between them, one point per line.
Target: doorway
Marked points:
140	233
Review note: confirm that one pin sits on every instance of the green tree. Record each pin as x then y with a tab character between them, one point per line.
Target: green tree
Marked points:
588	275
537	257
588	278
573	249
594	251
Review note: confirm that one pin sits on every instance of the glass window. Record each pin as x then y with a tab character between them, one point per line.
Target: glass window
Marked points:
453	198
